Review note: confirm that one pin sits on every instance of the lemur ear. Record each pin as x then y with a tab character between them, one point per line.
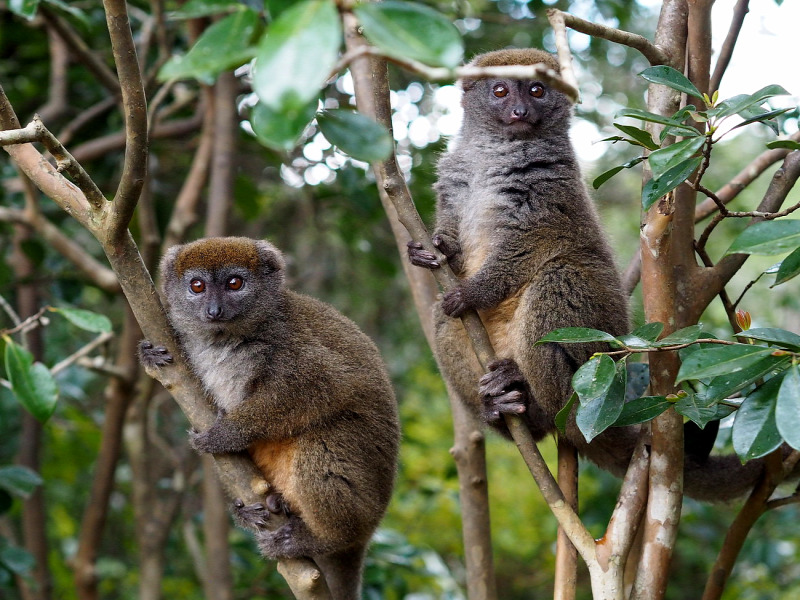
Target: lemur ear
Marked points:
271	258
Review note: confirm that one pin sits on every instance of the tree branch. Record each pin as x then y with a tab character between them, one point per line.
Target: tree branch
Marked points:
739	13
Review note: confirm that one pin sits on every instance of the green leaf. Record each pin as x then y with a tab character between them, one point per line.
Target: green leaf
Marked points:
16	560
357	135
768	238
710	362
650	117
32	383
671	78
281	131
649	331
641	410
755	431
781	337
20	481
762	116
296	56
696	408
599	414
656	188
411	30
603	177
665	159
727	384
633	341
737	104
194	9
787	144
790	268
593	378
787	408
86	319
687	335
578	335
24	8
563	414
224	45
642	137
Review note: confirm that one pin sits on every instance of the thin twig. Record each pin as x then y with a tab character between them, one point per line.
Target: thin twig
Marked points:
80	353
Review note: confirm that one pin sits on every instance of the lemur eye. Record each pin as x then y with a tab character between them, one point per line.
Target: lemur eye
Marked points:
235	283
198	286
500	90
537	91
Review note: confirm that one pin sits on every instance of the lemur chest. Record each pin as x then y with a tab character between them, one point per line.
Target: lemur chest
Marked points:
222	370
477	227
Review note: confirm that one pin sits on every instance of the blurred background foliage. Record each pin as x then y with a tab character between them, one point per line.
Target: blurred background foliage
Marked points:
322	209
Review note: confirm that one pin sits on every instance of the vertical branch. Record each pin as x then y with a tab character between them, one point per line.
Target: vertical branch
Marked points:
220	194
739	13
566	577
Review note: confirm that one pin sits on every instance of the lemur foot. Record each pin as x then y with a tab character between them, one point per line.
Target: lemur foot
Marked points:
420	257
454	304
153	356
503	390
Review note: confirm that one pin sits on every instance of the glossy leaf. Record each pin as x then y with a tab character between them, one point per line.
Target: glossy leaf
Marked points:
687	335
17	560
563	414
725	385
762	116
789	269
18	480
737	104
711	362
411	30
650	117
594	377
86	319
781	337
24	8
668	76
281	131
640	136
665	159
787	408
787	144
603	177
31	383
649	331
696	408
224	45
578	335
768	238
755	431
596	416
641	410
357	135
296	56
194	9
658	187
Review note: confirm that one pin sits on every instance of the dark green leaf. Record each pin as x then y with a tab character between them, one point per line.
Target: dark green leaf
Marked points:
768	238
641	410
727	384
32	383
710	362
24	8
789	269
763	117
650	117
603	177
357	135
599	414
656	188
687	335
634	341
224	45
781	337
194	9
281	131
671	78
737	104
86	319
563	414
696	408
649	331
787	409
665	159
593	378
755	432
16	560
577	335
296	56
20	481
787	144
411	30
642	137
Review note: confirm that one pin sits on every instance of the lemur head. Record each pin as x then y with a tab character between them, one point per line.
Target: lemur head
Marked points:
516	108
225	284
